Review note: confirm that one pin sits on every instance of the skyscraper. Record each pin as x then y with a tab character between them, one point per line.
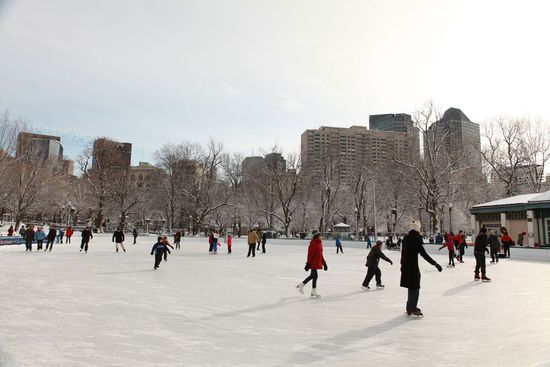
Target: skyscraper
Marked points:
396	122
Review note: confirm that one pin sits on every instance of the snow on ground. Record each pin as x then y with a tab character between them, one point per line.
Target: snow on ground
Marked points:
103	308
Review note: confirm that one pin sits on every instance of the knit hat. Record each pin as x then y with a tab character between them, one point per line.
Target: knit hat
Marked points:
415	225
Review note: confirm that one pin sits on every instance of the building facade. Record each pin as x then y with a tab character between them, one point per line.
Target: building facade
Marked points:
109	154
39	148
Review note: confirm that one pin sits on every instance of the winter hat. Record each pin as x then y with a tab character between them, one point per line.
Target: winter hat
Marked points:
315	233
415	225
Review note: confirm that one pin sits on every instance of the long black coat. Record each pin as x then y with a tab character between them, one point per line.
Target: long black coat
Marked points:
411	248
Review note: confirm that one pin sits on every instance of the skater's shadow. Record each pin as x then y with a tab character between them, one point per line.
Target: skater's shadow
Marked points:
124	272
336	298
453	291
281	303
340	344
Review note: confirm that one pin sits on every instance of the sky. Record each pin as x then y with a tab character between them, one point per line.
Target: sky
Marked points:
258	73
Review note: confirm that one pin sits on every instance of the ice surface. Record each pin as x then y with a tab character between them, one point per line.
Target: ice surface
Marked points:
103	308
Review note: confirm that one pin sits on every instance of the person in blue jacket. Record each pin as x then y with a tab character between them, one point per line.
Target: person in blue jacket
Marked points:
159	249
339	245
39	236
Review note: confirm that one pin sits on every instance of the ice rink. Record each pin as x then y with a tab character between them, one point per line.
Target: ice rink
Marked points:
103	308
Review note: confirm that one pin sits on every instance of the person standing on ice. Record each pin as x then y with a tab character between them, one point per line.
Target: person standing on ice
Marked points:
413	245
479	252
451	247
52	233
252	239
69	234
135	235
10	231
259	234
507	241
29	237
39	236
177	239
315	261
22	231
373	259
167	251
461	246
86	236
118	236
339	245
494	245
229	243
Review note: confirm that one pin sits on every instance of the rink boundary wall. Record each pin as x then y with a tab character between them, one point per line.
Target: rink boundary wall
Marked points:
516	252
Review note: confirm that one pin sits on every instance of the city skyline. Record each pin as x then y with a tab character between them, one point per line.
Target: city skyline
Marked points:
194	70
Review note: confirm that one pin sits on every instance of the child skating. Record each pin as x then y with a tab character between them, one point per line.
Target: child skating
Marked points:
315	261
373	259
451	247
159	249
339	245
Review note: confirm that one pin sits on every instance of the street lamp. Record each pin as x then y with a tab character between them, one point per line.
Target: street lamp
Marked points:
356	210
450	217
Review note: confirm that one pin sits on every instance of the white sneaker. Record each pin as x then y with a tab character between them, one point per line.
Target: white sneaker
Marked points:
314	293
300	288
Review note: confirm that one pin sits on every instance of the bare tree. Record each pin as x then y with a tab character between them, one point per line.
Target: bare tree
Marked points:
536	143
331	192
125	193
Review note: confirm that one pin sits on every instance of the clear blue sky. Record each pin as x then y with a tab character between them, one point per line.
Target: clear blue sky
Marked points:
255	73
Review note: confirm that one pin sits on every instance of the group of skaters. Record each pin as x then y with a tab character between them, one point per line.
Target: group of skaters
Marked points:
256	238
412	247
39	236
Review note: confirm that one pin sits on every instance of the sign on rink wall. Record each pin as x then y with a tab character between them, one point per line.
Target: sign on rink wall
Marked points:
14	240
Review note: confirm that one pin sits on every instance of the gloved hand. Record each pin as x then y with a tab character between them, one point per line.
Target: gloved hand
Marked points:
439	268
325	266
391	262
151	253
307	267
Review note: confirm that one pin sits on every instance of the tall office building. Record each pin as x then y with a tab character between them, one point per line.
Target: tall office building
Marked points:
396	122
109	154
352	148
38	147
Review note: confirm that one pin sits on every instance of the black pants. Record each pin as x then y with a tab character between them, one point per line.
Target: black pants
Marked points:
506	250
135	238
480	263
461	251
84	245
339	249
494	255
39	244
158	259
452	258
259	243
49	243
371	272
177	243
251	249
28	245
412	300
263	247
67	239
312	276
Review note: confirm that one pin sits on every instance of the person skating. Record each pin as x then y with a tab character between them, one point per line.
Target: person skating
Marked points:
22	231
60	234
166	252
339	245
229	243
52	234
252	239
10	231
494	245
159	249
507	241
69	234
29	237
315	261
118	238
39	236
86	236
480	248
135	235
451	247
264	241
215	242
373	259
177	239
462	245
410	271
259	241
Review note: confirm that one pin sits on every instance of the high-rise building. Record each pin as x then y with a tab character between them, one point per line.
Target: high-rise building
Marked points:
253	168
461	137
109	154
352	148
396	122
38	147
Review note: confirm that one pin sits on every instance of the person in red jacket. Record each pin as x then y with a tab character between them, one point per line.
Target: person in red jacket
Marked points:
507	241
10	231
68	234
229	243
315	261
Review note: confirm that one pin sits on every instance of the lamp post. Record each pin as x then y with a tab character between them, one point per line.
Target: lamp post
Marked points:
356	210
450	217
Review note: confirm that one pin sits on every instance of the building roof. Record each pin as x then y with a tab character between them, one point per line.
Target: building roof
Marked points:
454	114
518	202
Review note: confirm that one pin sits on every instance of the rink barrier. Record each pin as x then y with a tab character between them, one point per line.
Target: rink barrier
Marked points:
12	240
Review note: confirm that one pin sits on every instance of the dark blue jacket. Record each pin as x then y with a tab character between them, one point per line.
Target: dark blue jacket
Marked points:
159	248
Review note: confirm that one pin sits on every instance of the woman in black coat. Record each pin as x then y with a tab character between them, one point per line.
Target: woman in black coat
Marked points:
413	245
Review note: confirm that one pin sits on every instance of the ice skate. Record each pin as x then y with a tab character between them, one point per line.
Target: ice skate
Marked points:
416	313
365	287
485	279
300	288
314	293
476	277
380	286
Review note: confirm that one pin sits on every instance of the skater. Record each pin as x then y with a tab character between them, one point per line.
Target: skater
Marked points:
373	259
451	247
229	243
52	233
438	239
10	231
479	252
22	231
215	242
252	239
158	249
521	237
494	245
315	261
369	243
167	251
410	272
60	234
86	236
264	241
69	234
135	235
507	241
259	240
460	239
177	239
29	237
118	236
339	245
39	236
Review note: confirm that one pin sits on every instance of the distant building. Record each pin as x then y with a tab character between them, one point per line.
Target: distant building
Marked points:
38	147
396	122
110	154
144	175
352	148
275	162
253	167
